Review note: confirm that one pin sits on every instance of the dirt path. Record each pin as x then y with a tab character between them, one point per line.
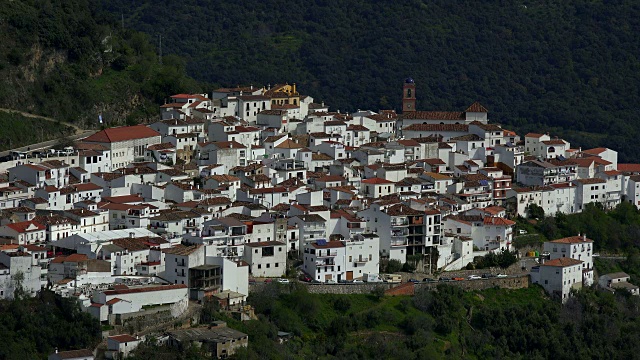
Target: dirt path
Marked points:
34	116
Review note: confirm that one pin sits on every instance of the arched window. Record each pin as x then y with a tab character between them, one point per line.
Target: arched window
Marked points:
408	93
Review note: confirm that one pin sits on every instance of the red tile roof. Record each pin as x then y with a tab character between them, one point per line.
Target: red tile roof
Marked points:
145	289
498	221
123	338
122	133
534	135
438	127
376	181
435	115
562	262
21	227
629	167
573	240
595	151
477	107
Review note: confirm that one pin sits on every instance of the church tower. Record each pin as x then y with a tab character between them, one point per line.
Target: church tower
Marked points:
409	96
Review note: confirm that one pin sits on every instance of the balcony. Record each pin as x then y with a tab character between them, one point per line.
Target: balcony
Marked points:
325	262
314	228
399	233
399	222
327	254
361	261
399	243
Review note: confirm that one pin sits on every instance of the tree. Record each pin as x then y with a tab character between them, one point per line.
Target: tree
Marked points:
393	265
535	212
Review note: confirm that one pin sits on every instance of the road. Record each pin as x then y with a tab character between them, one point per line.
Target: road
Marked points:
79	133
29	115
47	144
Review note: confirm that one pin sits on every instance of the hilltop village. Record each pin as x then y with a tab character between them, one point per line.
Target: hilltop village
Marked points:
264	183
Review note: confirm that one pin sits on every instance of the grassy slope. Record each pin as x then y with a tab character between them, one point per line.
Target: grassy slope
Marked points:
17	130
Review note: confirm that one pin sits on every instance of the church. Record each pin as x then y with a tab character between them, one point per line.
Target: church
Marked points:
411	116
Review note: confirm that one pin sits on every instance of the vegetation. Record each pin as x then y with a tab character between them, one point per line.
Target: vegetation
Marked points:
504	259
614	231
447	323
31	328
64	59
568	67
17	130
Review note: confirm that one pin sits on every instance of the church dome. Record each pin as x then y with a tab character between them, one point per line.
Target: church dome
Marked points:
408	80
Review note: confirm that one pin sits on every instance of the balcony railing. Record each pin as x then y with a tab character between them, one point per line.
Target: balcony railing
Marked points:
399	243
327	254
400	222
325	262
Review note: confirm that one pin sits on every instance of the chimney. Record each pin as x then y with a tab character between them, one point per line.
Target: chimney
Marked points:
230	145
132	235
584	237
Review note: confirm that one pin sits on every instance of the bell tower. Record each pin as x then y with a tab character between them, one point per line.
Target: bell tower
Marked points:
409	96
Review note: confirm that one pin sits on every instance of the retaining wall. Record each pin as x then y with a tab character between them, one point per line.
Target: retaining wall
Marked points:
516	282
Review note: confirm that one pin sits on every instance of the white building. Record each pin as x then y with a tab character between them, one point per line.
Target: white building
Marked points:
120	346
17	269
179	259
559	277
575	247
127	143
267	258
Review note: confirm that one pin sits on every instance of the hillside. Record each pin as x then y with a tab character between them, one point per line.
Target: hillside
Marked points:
443	324
568	67
63	59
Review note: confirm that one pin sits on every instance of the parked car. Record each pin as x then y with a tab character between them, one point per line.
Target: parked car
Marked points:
444	279
305	278
458	278
283	281
330	282
429	280
501	275
268	280
414	280
358	281
252	281
474	277
314	281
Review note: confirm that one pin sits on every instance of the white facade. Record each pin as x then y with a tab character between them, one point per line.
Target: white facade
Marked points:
559	277
266	259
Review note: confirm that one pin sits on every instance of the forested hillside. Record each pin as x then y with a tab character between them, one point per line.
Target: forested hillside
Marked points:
443	324
65	60
32	328
570	67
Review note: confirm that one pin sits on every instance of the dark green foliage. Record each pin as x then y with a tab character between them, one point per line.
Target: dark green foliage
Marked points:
504	259
614	231
31	328
446	323
535	212
17	130
66	60
569	67
393	265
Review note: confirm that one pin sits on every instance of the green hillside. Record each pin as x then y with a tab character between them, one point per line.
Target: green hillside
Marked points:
443	324
63	59
570	67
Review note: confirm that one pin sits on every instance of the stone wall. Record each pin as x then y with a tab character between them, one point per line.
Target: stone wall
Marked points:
514	282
